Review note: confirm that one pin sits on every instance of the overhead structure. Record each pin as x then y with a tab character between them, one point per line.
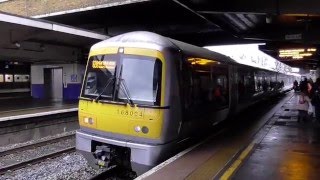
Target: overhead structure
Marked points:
34	40
281	24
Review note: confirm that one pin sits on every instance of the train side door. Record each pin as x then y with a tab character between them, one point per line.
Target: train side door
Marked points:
233	89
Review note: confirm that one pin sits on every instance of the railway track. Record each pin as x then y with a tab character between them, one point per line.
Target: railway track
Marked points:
21	164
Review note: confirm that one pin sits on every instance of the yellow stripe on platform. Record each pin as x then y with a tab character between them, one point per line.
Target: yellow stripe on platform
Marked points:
236	164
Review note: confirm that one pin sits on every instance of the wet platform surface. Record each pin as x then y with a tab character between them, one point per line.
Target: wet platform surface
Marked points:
210	158
290	150
27	105
276	146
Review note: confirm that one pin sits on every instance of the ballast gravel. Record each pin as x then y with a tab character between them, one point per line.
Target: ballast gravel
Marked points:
36	152
12	146
70	166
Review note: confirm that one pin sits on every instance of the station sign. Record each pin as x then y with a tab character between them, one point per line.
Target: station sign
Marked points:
293	37
103	64
296	53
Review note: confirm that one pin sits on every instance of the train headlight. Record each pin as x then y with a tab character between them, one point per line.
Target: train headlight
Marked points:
137	129
88	120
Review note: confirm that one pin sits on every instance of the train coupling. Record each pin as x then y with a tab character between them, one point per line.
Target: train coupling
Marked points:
103	155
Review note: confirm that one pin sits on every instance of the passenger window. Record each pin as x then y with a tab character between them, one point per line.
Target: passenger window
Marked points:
1	78
210	83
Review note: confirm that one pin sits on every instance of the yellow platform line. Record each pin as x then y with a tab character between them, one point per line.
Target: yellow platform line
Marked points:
236	164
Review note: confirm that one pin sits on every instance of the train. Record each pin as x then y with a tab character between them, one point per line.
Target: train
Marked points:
144	95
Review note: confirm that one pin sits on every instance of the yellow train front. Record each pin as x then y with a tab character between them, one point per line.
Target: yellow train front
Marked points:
125	112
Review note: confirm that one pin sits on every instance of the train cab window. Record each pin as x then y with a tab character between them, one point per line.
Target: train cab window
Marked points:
142	79
124	78
91	83
100	77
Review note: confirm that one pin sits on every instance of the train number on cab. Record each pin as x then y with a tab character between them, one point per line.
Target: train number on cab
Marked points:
130	113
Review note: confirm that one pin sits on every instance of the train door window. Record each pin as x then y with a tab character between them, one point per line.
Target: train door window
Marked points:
265	83
255	82
273	82
220	85
8	77
246	84
258	81
268	81
187	85
1	78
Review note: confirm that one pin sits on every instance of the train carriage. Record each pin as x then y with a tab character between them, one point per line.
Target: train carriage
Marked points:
145	95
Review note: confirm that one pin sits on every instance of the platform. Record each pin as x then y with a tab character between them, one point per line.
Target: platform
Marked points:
290	150
17	108
274	146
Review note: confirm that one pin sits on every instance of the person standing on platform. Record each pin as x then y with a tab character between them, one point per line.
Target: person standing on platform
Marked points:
316	100
295	85
303	106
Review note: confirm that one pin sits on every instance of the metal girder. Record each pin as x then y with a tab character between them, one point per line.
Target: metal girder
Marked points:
38	52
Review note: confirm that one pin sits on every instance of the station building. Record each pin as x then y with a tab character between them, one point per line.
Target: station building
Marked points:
27	73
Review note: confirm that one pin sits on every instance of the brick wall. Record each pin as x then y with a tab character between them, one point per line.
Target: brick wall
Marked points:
41	7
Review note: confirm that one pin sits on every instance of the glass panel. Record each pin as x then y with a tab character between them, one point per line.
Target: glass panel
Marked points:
1	78
142	77
100	71
210	83
139	78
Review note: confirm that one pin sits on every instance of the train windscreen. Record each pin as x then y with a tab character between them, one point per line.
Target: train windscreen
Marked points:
124	78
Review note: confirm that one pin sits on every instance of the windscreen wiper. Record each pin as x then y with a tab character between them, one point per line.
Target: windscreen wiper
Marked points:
104	88
125	89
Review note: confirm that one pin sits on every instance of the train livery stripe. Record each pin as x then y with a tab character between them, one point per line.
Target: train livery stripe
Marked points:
105	50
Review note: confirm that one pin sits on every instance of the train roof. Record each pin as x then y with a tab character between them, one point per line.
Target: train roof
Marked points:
155	41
